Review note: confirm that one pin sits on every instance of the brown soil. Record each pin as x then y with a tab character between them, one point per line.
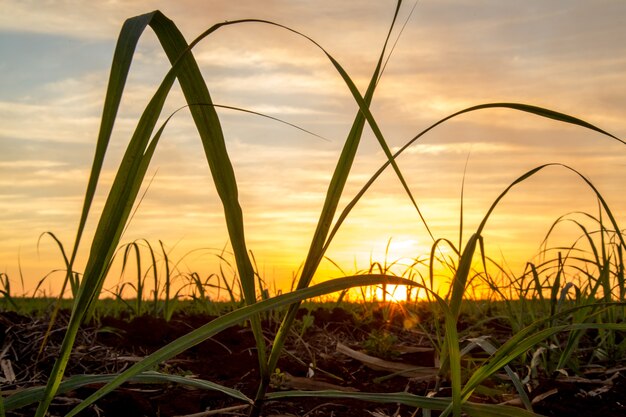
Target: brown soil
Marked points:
114	344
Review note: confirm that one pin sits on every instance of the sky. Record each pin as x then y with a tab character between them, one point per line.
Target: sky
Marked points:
565	55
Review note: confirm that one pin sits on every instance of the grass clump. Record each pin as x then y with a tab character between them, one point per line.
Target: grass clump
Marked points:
382	344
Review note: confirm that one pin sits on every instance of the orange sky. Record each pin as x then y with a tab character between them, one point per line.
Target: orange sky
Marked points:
564	55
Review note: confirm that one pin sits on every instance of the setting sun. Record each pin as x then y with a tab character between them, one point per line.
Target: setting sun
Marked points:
396	293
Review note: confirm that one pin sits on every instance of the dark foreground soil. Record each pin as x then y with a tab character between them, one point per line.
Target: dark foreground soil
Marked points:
113	344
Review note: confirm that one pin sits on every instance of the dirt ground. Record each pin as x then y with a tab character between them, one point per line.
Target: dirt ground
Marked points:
333	346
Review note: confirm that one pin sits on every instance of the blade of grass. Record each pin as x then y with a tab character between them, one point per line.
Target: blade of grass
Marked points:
124	51
31	395
519	386
5	284
68	278
427	403
121	196
235	317
133	246
538	111
454	358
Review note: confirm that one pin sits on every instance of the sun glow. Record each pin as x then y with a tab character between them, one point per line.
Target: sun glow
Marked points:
394	293
388	293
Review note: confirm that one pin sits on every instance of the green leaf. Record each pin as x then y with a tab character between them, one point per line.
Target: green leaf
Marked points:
32	395
427	403
223	322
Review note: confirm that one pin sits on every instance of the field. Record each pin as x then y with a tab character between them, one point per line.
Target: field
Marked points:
449	333
335	357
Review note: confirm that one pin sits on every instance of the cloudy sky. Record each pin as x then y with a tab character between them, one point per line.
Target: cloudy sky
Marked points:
565	55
